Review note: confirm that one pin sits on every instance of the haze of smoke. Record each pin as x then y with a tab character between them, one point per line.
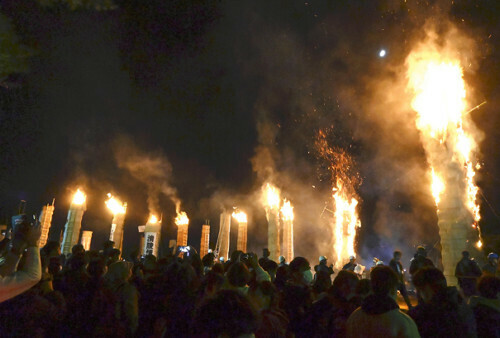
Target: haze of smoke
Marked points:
153	170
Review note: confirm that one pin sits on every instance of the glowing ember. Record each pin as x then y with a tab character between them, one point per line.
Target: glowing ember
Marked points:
271	196
79	198
479	244
115	205
287	211
346	222
437	187
181	218
240	216
153	219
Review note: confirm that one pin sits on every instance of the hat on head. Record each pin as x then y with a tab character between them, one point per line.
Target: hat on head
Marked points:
322	258
281	259
492	255
352	257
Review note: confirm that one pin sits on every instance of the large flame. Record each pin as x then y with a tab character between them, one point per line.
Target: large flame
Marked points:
240	216
152	219
181	218
271	197
79	197
287	211
115	205
436	80
437	187
346	222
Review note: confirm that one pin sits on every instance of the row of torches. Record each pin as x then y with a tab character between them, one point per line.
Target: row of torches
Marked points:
152	229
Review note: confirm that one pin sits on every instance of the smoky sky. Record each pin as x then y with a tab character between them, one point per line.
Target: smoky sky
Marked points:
232	94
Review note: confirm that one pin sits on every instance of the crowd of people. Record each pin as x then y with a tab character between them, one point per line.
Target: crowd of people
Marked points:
100	294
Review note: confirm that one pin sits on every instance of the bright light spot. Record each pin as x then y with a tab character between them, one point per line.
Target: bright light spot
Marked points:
382	53
479	244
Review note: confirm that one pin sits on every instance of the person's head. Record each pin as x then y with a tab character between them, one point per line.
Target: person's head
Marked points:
384	281
397	255
282	259
77	248
489	287
208	260
265	253
493	258
235	255
271	267
344	284
218	268
352	259
52	249
262	295
300	270
465	254
322	260
119	272
97	267
113	256
429	281
149	266
363	288
227	314
238	274
421	251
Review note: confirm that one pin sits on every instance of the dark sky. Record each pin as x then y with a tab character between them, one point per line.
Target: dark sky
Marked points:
196	84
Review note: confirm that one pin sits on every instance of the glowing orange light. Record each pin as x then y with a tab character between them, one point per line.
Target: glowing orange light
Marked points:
181	219
240	216
287	211
115	205
79	197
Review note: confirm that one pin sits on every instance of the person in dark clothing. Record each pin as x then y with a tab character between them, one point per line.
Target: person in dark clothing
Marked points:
419	261
467	272
328	315
264	298
443	312
351	265
491	267
395	264
264	260
486	307
322	266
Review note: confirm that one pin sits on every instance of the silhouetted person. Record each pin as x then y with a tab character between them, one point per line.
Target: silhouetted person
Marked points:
351	265
491	267
443	312
486	307
322	266
395	264
419	261
467	272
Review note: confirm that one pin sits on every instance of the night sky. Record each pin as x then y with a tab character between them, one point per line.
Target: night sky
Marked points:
214	97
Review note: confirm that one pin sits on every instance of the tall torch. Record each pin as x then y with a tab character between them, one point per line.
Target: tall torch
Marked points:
271	200
436	80
287	218
73	222
45	223
182	222
241	243
152	234
118	209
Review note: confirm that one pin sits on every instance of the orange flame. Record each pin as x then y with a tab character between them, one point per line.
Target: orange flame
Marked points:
436	79
271	197
287	211
115	205
240	216
181	218
79	198
346	222
152	219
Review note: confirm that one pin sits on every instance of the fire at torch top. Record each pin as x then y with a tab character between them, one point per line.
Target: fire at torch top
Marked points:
271	197
287	211
115	206
152	219
79	198
240	216
181	218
